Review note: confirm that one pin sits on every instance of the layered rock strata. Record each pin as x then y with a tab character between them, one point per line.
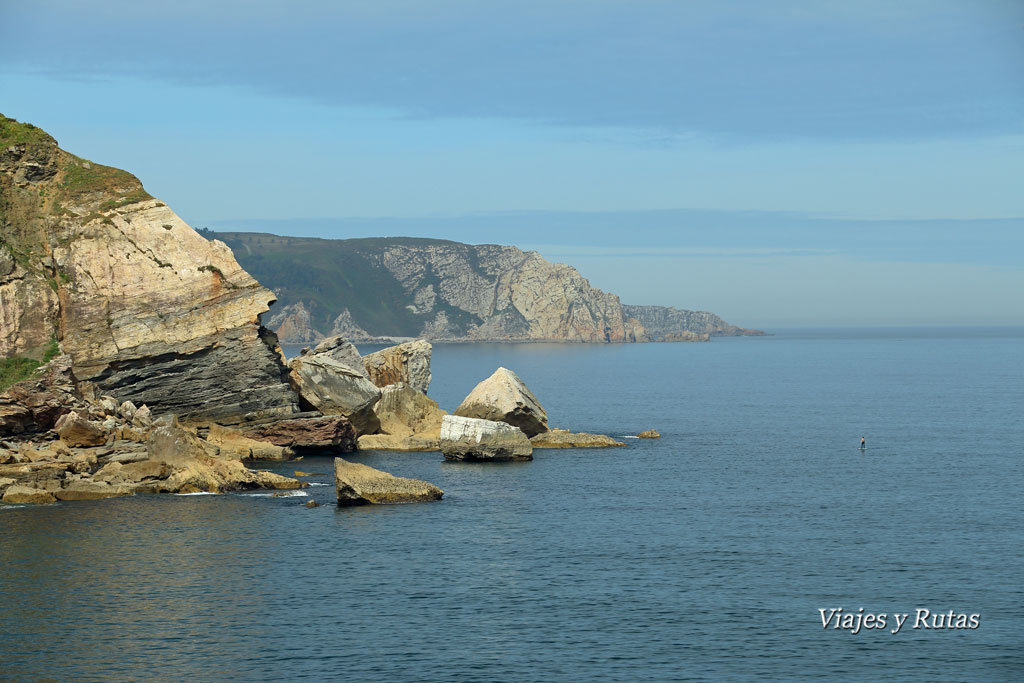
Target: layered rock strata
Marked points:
147	309
467	438
334	389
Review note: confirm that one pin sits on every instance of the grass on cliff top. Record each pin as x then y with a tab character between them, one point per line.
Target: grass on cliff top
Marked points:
14	370
83	177
14	132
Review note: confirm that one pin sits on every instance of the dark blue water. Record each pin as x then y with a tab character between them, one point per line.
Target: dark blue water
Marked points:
703	555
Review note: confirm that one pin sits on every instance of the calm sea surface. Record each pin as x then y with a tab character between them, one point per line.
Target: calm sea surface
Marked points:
703	555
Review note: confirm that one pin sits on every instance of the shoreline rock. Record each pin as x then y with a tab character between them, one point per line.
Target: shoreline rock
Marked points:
563	438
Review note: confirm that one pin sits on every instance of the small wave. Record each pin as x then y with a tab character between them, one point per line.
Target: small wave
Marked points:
11	507
318	483
627	437
198	493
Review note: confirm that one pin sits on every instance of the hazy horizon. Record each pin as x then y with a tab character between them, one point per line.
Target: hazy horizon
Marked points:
777	163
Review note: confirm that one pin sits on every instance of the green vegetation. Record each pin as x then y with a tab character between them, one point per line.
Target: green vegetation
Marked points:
82	177
13	132
14	370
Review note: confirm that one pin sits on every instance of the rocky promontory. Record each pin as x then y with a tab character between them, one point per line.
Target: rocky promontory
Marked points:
406	288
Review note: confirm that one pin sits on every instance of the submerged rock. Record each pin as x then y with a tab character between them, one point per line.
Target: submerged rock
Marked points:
408	362
361	485
562	438
467	438
25	494
503	397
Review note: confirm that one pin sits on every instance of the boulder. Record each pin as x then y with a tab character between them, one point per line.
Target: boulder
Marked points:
127	410
361	485
232	442
25	494
343	351
649	434
503	397
75	430
563	438
334	389
333	432
142	417
408	362
108	404
468	438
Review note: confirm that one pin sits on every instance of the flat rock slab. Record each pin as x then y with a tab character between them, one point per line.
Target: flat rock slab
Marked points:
468	438
27	494
561	438
363	485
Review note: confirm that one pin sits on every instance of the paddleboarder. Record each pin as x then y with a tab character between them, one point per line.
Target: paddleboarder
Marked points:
863	446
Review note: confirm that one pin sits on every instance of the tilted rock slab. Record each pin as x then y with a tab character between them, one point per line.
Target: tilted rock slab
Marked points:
503	397
343	351
467	438
362	485
408	362
335	389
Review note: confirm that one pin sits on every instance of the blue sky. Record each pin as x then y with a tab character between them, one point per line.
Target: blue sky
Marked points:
777	162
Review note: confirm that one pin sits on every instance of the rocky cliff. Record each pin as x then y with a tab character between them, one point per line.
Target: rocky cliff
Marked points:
365	289
146	308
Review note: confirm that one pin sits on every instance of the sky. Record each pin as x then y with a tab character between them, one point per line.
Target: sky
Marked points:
778	162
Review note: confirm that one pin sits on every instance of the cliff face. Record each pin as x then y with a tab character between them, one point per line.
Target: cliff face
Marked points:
664	323
147	309
365	289
438	290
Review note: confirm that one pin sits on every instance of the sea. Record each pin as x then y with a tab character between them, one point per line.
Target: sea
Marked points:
713	553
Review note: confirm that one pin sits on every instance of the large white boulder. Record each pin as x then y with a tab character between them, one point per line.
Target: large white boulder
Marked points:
467	438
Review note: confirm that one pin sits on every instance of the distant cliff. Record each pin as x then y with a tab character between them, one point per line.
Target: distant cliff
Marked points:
366	289
146	308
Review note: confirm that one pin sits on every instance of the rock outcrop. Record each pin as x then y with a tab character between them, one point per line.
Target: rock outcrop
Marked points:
359	484
649	434
294	325
664	323
447	291
409	421
132	293
409	363
563	438
334	389
467	438
504	397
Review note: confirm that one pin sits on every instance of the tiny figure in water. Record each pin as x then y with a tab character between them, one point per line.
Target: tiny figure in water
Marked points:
863	445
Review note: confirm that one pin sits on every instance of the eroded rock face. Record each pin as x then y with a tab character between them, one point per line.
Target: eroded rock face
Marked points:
359	484
408	362
409	420
34	405
334	389
467	438
135	295
504	397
